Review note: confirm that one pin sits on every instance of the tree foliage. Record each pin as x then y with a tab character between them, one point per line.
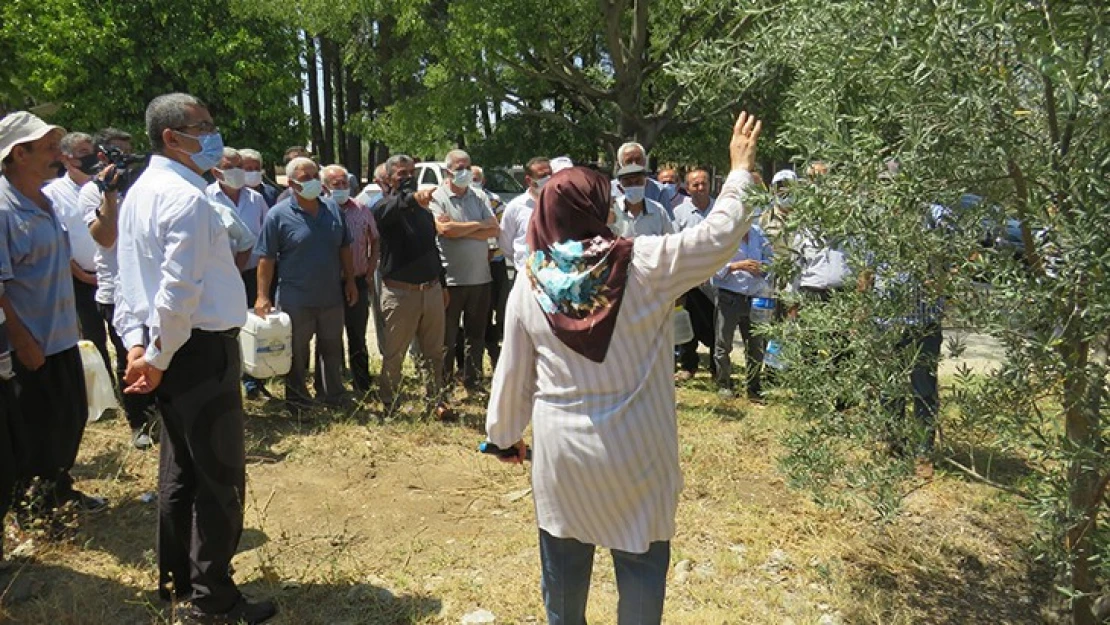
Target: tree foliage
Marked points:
1001	98
102	62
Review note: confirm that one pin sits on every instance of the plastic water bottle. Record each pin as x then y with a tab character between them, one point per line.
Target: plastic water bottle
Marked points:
763	309
772	355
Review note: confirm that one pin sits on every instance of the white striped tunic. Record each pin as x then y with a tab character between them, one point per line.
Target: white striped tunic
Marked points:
605	438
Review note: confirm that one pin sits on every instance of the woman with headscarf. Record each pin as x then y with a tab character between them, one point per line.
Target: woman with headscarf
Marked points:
587	359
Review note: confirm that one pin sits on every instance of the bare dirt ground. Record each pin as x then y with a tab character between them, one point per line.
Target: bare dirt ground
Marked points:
352	519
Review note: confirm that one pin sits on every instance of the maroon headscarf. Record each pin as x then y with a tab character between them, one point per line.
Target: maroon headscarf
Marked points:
576	266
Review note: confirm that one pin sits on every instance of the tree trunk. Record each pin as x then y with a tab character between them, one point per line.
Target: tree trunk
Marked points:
327	148
338	75
313	92
353	157
487	123
1081	413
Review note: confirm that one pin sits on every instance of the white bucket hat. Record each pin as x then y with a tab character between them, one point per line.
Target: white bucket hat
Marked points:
784	175
22	127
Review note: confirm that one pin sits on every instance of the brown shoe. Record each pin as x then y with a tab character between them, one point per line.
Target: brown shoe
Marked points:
445	414
683	376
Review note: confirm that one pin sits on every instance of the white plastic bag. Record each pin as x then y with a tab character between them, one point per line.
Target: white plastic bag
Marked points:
98	383
683	328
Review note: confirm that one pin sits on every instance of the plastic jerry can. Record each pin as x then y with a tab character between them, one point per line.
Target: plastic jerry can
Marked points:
267	344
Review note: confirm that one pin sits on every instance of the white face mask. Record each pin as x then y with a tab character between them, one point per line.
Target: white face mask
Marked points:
539	182
252	178
310	190
234	177
462	177
340	195
635	195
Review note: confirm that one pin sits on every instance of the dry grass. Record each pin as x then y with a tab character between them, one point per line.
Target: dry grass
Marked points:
351	520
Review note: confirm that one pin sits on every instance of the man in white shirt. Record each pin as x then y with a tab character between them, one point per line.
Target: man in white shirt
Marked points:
231	191
256	181
40	312
179	309
78	156
99	211
636	215
514	222
242	210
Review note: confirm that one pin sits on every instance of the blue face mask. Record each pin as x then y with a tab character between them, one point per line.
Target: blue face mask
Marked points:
211	150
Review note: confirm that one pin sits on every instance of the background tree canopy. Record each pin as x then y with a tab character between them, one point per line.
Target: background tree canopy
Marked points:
102	62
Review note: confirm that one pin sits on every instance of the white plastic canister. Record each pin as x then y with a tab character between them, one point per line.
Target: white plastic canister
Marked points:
267	344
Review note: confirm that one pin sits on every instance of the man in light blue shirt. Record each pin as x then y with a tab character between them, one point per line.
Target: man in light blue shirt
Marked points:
39	304
636	215
738	282
306	243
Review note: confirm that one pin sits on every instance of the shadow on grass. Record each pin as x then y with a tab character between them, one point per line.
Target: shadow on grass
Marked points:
997	466
968	592
39	593
44	593
357	602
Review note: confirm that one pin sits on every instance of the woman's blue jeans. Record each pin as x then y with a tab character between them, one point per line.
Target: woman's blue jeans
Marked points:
641	581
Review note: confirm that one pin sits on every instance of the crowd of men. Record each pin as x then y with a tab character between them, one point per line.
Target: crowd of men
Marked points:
165	267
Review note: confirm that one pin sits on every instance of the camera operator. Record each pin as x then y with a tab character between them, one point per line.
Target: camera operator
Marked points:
79	158
99	210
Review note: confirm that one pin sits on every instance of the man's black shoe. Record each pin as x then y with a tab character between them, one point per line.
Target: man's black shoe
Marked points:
243	612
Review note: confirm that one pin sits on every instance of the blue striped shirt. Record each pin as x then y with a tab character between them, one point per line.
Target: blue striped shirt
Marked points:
754	246
34	248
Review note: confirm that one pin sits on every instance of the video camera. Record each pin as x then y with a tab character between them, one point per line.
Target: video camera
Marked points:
128	168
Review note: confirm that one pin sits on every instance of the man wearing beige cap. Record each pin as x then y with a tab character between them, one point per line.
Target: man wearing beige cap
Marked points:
39	305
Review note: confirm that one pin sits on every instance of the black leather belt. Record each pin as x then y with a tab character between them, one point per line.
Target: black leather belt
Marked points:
232	333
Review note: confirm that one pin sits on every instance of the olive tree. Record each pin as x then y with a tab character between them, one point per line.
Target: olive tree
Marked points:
1002	99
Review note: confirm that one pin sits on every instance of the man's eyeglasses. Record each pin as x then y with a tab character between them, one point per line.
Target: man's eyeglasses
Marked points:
203	127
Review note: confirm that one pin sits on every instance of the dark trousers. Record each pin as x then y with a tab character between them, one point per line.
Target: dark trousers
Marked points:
499	297
734	310
326	325
53	409
201	472
700	307
471	305
90	320
924	344
355	319
11	444
136	406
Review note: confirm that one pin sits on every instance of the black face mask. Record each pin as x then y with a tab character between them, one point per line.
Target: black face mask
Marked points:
90	163
408	185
